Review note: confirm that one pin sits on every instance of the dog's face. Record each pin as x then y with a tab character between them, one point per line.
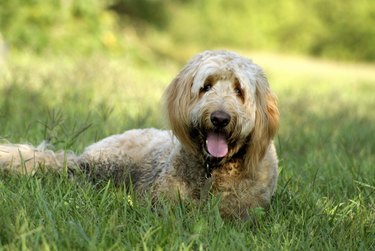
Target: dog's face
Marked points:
223	112
220	105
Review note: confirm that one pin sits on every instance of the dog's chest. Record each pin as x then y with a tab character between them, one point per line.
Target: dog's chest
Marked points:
226	176
231	169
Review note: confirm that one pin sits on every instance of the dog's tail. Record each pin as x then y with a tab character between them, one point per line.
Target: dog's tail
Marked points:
26	158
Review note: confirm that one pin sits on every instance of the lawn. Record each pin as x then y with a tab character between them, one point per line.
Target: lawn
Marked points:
326	192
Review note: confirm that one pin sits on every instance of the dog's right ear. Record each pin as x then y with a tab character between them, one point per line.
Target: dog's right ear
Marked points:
178	101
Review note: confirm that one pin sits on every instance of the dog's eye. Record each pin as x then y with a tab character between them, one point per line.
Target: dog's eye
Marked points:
238	91
206	88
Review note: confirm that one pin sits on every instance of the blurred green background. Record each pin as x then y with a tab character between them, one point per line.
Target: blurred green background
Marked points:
75	71
337	29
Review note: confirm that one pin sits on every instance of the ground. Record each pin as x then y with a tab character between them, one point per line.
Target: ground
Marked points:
325	195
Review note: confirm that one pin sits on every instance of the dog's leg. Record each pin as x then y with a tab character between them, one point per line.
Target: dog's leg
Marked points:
26	158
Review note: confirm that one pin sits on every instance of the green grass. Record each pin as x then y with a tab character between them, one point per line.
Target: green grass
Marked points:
326	192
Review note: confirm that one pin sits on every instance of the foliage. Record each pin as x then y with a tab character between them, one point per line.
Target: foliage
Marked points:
334	29
38	25
325	197
152	12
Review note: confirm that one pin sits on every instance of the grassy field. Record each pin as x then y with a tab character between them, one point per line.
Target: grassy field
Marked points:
326	192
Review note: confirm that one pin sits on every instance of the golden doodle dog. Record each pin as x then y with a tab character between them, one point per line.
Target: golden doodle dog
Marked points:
223	117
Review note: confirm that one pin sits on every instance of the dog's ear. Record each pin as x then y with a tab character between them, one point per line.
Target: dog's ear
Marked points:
266	122
178	101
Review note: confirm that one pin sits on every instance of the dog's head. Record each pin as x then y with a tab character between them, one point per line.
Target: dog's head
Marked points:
220	105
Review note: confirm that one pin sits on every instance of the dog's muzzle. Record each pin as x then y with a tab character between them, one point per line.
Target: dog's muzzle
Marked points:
220	119
216	141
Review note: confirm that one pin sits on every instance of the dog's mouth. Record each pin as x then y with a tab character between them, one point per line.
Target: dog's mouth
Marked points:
217	144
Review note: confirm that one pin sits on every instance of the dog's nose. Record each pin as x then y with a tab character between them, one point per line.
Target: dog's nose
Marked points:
220	119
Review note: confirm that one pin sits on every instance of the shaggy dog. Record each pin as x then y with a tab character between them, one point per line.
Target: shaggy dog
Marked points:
223	117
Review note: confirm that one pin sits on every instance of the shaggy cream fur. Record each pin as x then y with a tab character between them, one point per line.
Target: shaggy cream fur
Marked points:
223	117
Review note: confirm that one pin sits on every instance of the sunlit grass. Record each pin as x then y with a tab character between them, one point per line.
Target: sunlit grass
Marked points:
325	197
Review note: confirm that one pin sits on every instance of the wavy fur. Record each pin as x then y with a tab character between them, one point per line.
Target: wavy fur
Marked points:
179	161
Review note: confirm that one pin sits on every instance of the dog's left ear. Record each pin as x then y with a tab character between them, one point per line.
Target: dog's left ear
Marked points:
266	122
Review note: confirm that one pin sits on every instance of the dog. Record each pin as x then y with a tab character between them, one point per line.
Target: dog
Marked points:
223	117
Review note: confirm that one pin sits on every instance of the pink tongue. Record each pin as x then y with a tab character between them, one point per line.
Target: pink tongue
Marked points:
217	145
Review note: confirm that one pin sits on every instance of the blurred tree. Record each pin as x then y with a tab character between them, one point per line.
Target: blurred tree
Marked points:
341	29
23	22
41	24
335	29
349	29
150	11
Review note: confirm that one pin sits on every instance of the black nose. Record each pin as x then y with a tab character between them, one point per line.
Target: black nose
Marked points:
220	119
